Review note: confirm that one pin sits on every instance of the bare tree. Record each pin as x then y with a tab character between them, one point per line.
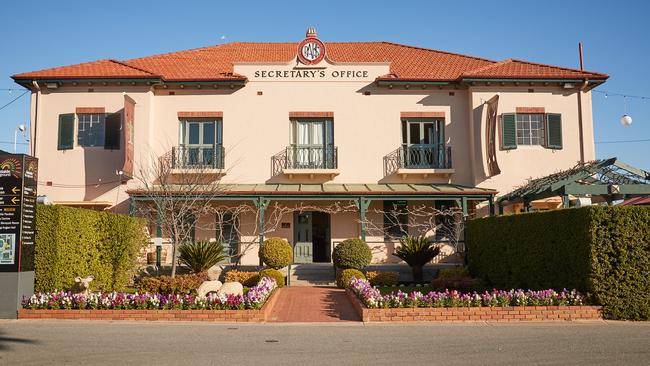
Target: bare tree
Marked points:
177	194
439	225
231	216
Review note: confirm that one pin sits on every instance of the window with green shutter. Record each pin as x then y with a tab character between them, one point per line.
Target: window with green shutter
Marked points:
554	131
66	131
508	131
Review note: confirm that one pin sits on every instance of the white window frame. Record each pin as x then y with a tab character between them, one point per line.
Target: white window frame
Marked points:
526	135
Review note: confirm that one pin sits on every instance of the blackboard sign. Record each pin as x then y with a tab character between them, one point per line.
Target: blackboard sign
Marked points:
18	183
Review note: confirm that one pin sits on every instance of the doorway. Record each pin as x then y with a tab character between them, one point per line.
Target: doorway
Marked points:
312	237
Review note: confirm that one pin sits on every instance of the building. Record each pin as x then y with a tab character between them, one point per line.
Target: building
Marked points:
377	126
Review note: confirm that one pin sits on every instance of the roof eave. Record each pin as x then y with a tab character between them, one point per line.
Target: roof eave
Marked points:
529	80
393	81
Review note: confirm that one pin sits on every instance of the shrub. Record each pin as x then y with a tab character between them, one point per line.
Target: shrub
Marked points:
275	274
601	250
453	272
456	278
344	276
276	253
179	285
247	279
74	242
384	278
416	251
352	253
201	255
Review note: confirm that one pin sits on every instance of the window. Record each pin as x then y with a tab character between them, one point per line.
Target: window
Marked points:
312	144
423	143
91	129
395	219
200	143
530	129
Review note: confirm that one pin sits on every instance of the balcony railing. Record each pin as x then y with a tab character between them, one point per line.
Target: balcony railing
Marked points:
418	157
195	157
305	157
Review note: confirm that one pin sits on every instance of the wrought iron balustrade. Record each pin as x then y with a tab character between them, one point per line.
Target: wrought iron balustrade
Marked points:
198	157
305	157
418	157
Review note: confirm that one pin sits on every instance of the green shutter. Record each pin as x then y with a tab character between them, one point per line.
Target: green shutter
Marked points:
66	131
112	130
554	131
508	131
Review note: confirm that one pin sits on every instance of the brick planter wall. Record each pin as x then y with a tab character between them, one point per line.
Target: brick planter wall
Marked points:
497	314
254	316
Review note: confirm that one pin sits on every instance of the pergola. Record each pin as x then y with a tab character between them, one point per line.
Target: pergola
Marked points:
609	178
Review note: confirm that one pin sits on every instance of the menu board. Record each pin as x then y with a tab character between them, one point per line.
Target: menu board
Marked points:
18	192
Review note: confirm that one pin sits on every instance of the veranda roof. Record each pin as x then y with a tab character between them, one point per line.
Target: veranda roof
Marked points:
338	190
594	178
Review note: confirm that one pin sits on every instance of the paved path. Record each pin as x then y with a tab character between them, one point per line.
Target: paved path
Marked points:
79	342
312	304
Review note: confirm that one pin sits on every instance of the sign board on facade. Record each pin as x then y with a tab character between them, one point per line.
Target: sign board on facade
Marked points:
18	183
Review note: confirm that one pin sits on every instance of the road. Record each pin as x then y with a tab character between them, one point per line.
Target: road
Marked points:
27	342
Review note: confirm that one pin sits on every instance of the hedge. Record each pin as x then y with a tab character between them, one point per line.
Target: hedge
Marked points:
74	242
600	250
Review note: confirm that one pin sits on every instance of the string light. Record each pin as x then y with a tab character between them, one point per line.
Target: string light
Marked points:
613	94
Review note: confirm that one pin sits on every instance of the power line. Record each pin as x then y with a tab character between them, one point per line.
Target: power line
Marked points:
13	100
622	141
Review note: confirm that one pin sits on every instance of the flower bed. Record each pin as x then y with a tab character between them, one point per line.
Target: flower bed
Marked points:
118	306
452	305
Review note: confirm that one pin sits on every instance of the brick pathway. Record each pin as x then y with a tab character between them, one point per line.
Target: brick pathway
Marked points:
312	304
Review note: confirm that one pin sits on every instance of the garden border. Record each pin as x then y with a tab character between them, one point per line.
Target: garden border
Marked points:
247	315
495	314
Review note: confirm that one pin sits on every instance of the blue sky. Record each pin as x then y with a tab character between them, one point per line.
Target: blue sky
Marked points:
41	34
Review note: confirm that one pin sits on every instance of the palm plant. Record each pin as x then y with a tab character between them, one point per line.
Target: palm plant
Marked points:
416	251
201	255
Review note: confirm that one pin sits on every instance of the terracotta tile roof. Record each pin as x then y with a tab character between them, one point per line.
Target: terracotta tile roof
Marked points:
216	63
512	69
95	69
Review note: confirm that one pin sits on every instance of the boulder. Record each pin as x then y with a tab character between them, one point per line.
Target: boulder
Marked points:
207	287
231	288
215	272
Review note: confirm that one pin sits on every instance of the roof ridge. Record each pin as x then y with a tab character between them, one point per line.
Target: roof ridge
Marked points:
133	67
558	67
72	65
434	50
487	67
178	51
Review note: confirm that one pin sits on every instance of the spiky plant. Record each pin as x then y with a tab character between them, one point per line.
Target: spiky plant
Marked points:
201	255
416	251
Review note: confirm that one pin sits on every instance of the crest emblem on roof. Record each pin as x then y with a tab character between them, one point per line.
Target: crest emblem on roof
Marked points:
311	50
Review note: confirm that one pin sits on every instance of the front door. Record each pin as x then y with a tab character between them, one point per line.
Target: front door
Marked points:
311	237
303	247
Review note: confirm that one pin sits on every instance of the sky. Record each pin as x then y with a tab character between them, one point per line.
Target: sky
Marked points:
43	34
